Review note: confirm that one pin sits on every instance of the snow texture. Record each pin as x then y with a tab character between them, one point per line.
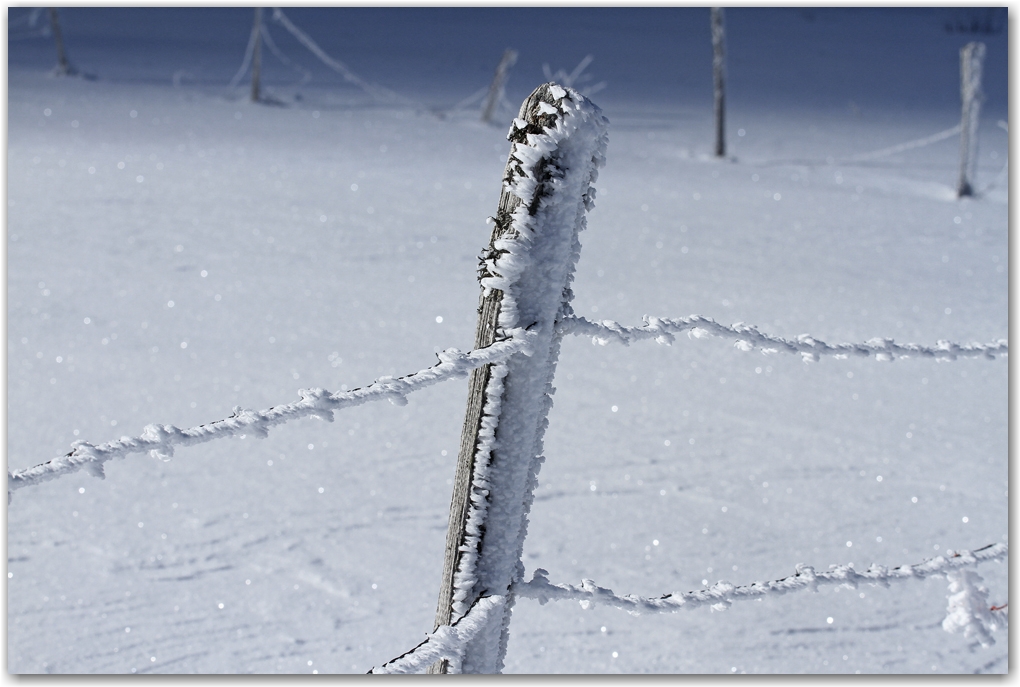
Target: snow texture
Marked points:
532	265
748	337
160	440
965	607
447	642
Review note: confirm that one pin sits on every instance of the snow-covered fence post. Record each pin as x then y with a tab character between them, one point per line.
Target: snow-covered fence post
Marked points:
498	81
718	79
63	67
256	58
972	57
558	144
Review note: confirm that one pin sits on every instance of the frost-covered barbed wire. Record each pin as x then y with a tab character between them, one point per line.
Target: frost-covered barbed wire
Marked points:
446	642
160	440
748	337
306	75
29	18
249	51
574	78
35	28
504	106
340	68
872	155
722	594
909	145
969	610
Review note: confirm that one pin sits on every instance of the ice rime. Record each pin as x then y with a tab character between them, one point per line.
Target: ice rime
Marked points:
968	609
160	440
554	165
447	642
748	337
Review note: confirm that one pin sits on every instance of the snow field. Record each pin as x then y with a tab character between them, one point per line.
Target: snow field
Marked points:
345	577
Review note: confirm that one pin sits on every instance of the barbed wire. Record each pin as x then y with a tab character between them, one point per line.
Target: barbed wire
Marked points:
748	337
160	440
306	75
249	51
865	157
446	642
722	594
918	143
374	90
969	610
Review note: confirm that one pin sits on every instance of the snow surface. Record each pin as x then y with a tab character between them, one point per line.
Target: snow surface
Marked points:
175	251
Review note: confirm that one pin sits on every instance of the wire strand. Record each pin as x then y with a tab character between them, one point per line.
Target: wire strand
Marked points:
748	337
160	440
722	594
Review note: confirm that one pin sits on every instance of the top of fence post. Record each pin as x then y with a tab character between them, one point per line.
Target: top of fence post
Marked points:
972	57
558	143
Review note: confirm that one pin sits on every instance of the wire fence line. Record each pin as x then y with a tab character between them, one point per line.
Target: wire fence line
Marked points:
306	75
378	92
722	594
748	337
872	155
909	145
249	51
463	644
161	440
968	609
29	26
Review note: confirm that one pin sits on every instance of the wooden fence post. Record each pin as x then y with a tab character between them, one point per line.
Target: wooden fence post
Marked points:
496	87
558	142
718	79
256	58
64	67
972	57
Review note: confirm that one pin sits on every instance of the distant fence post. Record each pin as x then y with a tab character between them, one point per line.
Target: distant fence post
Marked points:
64	67
496	87
558	142
718	79
972	57
256	58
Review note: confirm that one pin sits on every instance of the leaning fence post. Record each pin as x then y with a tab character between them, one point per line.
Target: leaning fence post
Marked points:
558	143
498	81
972	57
63	67
718	79
256	59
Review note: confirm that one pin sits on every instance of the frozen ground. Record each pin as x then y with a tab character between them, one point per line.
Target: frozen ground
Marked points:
318	244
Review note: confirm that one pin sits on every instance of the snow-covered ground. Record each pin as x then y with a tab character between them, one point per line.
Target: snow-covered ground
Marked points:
174	250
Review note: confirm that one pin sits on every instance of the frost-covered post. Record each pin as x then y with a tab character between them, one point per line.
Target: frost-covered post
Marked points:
63	67
256	58
498	82
972	57
718	79
558	144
